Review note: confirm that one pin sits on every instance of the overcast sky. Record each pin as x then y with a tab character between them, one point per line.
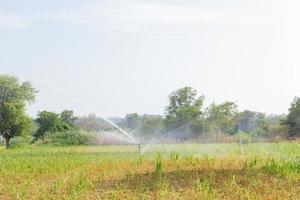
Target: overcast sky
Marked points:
122	56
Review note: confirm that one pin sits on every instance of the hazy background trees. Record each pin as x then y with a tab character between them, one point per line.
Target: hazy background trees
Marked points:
185	118
92	123
185	115
222	117
145	125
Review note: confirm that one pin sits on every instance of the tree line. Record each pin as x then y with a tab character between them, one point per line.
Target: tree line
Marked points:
185	112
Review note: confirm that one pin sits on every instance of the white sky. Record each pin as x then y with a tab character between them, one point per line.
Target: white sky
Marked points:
122	56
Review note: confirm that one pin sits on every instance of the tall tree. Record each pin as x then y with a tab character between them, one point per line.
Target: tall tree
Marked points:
184	107
151	125
49	122
133	121
67	116
13	99
90	123
223	117
250	121
293	118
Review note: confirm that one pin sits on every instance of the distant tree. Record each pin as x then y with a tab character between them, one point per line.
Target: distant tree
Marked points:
151	125
90	123
49	122
275	119
184	108
223	117
293	118
13	99
249	121
133	121
67	116
263	124
141	125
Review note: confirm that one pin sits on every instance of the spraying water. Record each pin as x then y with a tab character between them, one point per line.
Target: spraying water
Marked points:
111	137
179	133
91	109
134	140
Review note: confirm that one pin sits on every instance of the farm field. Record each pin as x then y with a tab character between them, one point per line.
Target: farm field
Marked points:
174	171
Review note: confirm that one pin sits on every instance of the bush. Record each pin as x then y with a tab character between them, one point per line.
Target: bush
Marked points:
66	138
19	142
244	138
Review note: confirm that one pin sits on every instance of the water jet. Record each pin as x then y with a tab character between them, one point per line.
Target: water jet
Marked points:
91	109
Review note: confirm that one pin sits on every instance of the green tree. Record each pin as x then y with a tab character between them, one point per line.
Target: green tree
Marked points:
223	117
184	108
151	125
133	121
13	99
249	121
92	123
49	122
67	116
293	118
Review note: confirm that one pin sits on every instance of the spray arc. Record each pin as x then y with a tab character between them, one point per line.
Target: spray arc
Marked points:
131	139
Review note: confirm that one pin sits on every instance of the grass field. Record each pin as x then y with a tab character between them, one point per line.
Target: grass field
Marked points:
182	171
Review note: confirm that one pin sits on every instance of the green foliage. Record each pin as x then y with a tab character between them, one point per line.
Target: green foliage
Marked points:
262	126
66	138
174	156
142	125
244	138
293	118
13	91
159	167
49	122
222	117
277	132
205	188
13	99
282	168
184	108
133	121
67	116
201	125
249	121
151	125
92	123
19	141
261	171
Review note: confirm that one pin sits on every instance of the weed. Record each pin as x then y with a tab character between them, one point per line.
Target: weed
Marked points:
159	167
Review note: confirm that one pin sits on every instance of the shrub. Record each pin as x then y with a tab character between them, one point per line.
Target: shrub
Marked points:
67	138
19	142
244	138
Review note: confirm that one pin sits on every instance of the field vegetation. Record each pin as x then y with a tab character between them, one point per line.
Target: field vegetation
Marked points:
178	171
189	152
